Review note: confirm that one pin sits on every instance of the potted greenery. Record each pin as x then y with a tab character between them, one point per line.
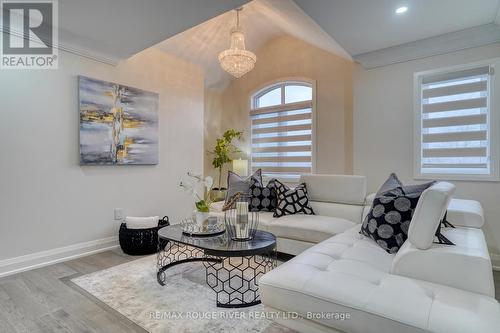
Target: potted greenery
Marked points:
222	151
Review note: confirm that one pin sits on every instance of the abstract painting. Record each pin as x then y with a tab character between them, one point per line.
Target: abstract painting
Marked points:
118	124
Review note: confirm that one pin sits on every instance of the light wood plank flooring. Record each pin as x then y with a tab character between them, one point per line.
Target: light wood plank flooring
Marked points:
43	300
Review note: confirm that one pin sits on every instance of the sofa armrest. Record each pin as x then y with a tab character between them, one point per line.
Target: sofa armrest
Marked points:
465	265
369	199
465	213
368	205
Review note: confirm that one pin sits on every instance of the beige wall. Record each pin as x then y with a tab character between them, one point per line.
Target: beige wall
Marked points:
383	129
288	57
213	113
47	199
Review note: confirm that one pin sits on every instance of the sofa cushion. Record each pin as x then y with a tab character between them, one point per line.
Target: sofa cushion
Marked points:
466	265
350	273
461	212
390	183
237	184
291	201
393	182
430	210
349	212
262	198
389	219
265	219
465	213
336	188
308	228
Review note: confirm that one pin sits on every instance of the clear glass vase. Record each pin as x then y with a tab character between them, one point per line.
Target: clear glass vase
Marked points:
241	223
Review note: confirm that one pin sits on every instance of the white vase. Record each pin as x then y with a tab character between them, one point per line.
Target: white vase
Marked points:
200	217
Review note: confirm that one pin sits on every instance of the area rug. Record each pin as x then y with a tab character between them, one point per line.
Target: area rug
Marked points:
184	304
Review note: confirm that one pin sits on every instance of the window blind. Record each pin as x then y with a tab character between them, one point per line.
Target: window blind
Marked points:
454	129
282	140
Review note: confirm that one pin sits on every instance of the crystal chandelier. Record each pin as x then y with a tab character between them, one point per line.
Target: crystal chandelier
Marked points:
236	60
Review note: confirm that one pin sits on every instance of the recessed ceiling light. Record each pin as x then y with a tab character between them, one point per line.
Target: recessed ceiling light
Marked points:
401	10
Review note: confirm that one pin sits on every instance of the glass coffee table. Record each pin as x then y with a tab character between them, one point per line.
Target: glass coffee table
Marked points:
233	268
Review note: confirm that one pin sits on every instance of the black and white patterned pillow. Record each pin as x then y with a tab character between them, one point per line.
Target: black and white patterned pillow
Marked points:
291	201
263	198
389	218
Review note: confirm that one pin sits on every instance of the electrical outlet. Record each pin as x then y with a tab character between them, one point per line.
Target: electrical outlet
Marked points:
119	214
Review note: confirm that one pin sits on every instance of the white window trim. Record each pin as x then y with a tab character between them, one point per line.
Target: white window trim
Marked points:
494	124
267	87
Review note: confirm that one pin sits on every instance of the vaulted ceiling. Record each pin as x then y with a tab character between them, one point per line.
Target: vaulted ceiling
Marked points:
368	31
111	30
261	21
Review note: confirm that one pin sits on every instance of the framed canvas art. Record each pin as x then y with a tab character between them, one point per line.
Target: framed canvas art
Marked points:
118	124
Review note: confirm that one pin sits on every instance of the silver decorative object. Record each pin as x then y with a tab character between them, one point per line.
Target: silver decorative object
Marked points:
213	226
241	224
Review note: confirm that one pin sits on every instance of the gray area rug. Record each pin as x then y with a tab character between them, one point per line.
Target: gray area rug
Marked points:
184	304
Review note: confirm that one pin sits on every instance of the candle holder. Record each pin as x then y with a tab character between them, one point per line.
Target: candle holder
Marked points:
241	224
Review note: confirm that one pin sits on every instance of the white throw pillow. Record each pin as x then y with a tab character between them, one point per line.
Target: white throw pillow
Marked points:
133	222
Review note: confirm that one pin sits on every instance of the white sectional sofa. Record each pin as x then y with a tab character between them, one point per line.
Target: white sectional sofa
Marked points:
425	287
339	203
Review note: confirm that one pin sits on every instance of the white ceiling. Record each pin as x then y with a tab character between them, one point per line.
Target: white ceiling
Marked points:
362	26
197	30
116	29
261	21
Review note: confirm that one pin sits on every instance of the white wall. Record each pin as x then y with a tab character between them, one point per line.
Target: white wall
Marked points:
383	129
46	199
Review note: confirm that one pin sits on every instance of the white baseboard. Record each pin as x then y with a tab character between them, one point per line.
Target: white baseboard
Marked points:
495	261
44	258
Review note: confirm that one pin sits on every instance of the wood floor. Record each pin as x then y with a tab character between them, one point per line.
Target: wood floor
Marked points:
44	300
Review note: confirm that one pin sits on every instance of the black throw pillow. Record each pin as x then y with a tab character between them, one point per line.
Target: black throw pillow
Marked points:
389	219
263	198
292	201
390	215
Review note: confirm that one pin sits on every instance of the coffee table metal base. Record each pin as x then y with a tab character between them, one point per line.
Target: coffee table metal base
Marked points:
233	279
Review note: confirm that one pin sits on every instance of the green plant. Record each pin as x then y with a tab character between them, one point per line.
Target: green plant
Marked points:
223	149
202	206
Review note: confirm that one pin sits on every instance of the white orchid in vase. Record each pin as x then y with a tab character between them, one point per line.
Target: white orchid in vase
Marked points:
202	204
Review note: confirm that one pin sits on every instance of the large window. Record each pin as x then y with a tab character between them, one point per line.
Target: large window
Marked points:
455	124
283	130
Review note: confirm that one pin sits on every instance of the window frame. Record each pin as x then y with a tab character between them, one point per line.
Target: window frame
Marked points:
282	83
493	124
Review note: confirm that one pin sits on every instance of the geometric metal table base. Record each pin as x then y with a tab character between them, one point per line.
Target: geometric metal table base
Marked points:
171	254
234	278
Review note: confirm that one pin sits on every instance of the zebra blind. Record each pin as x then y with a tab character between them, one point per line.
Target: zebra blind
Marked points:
454	122
282	131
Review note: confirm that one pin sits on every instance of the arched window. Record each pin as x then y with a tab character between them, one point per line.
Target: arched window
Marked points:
283	130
